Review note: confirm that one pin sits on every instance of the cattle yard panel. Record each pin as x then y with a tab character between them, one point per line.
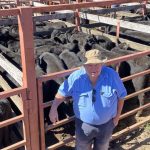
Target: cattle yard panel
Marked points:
132	44
23	117
79	5
29	74
106	20
29	77
67	120
53	76
27	56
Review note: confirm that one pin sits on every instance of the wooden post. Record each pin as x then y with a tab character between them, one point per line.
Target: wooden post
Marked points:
18	3
117	31
29	75
144	8
77	17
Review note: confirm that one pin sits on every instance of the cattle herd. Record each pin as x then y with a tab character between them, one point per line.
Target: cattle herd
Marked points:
59	48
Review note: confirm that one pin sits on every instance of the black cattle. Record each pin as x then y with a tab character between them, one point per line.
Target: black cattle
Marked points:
49	91
131	67
5	36
105	42
69	47
72	47
50	64
70	59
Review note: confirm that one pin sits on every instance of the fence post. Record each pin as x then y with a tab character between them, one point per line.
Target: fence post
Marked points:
25	24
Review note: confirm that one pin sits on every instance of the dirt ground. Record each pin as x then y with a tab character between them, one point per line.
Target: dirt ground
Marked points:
138	139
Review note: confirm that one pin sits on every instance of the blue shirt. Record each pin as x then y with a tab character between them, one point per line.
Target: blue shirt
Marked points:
109	89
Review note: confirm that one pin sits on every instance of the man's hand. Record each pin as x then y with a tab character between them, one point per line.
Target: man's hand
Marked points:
53	115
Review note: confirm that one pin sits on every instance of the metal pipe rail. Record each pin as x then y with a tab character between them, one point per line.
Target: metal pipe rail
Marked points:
15	146
65	73
24	14
15	11
11	121
114	136
69	119
23	117
100	3
136	75
29	97
47	104
10	21
12	92
108	62
129	129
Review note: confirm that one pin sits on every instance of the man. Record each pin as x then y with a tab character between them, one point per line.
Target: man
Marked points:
98	94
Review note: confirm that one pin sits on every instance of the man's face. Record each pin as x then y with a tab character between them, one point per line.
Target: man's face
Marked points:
93	70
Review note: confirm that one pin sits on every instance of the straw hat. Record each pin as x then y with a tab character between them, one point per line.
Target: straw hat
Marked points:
94	56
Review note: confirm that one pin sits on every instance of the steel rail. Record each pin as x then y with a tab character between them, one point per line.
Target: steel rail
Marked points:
114	136
130	128
109	62
79	5
47	104
136	75
137	93
15	146
9	12
12	92
126	98
11	121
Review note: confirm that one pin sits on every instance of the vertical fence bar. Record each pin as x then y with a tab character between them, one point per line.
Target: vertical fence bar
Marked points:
77	17
25	121
144	11
41	113
17	2
25	23
117	31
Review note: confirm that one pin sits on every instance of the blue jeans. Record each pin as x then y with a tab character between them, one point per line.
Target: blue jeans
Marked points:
98	135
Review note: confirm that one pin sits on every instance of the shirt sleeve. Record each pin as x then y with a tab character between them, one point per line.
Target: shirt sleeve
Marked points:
65	88
121	90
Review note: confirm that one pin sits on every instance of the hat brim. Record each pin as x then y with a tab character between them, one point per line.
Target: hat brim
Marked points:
96	61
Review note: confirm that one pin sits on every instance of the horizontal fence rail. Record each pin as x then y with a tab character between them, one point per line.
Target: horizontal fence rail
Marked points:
15	11
12	92
80	5
109	62
11	121
9	12
26	116
69	119
114	136
15	146
136	75
131	128
47	104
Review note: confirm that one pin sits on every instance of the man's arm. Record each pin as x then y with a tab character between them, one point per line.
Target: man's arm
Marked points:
53	111
119	109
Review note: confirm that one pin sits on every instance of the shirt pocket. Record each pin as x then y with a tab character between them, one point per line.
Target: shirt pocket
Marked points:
81	99
108	99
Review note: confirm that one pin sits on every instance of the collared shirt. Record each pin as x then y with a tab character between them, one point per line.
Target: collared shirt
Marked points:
109	90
